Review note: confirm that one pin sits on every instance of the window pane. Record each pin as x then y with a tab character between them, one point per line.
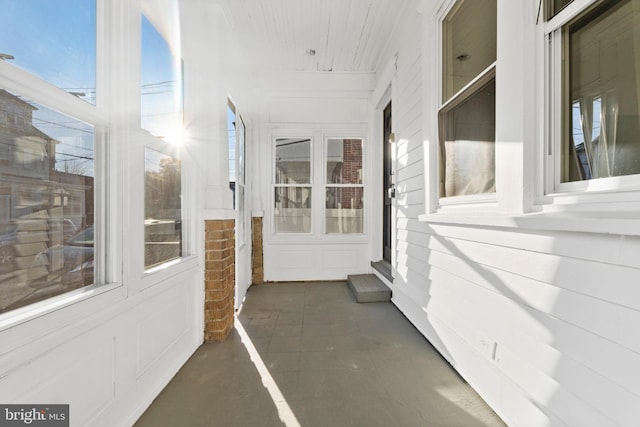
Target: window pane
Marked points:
241	226
555	6
292	211
231	131
603	135
293	161
344	161
55	40
241	151
161	86
468	146
344	210
46	203
162	208
469	37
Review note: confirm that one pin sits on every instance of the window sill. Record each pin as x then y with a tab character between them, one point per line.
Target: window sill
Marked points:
42	308
599	222
167	270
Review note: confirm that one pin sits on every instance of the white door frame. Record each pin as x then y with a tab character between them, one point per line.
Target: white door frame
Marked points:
382	95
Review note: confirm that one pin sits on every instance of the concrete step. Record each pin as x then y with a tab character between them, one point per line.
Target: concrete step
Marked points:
368	288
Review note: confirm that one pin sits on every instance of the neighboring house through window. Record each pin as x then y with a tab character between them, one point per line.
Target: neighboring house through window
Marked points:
344	189
50	155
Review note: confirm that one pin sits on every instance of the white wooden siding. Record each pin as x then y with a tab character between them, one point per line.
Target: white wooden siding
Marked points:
563	308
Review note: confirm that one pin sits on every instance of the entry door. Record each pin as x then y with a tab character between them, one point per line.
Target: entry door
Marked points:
387	186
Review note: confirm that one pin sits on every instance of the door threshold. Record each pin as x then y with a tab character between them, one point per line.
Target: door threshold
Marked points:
384	268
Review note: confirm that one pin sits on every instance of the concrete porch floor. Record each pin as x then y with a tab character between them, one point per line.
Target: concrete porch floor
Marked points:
334	362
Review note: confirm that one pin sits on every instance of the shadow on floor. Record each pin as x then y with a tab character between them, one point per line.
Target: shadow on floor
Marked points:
335	363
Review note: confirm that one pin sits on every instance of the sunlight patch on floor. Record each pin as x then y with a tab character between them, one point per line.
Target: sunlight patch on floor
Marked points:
284	410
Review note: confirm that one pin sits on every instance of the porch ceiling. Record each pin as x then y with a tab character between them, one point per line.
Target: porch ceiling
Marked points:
346	35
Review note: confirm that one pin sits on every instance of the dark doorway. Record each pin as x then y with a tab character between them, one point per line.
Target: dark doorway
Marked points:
387	183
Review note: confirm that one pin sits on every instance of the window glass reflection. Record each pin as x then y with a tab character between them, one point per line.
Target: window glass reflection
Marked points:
292	211
55	40
161	86
602	137
469	43
344	161
344	210
555	6
293	161
46	202
162	208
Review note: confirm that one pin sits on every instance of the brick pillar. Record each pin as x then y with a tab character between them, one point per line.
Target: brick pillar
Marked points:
257	272
219	279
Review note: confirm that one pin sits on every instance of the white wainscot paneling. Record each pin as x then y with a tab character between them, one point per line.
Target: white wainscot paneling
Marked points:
80	373
340	260
315	261
299	259
159	329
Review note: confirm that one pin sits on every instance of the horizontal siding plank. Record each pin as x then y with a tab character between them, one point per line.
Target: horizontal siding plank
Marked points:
519	410
409	130
412	147
595	247
410	184
612	283
460	303
413	265
411	111
629	250
420	228
411	198
610	321
409	75
592	350
411	171
410	211
408	105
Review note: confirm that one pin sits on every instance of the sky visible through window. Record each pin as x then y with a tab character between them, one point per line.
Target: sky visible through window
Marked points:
55	40
161	85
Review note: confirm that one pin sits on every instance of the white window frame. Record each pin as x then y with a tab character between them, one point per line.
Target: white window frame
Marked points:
45	317
170	147
241	165
310	185
318	136
570	195
467	202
